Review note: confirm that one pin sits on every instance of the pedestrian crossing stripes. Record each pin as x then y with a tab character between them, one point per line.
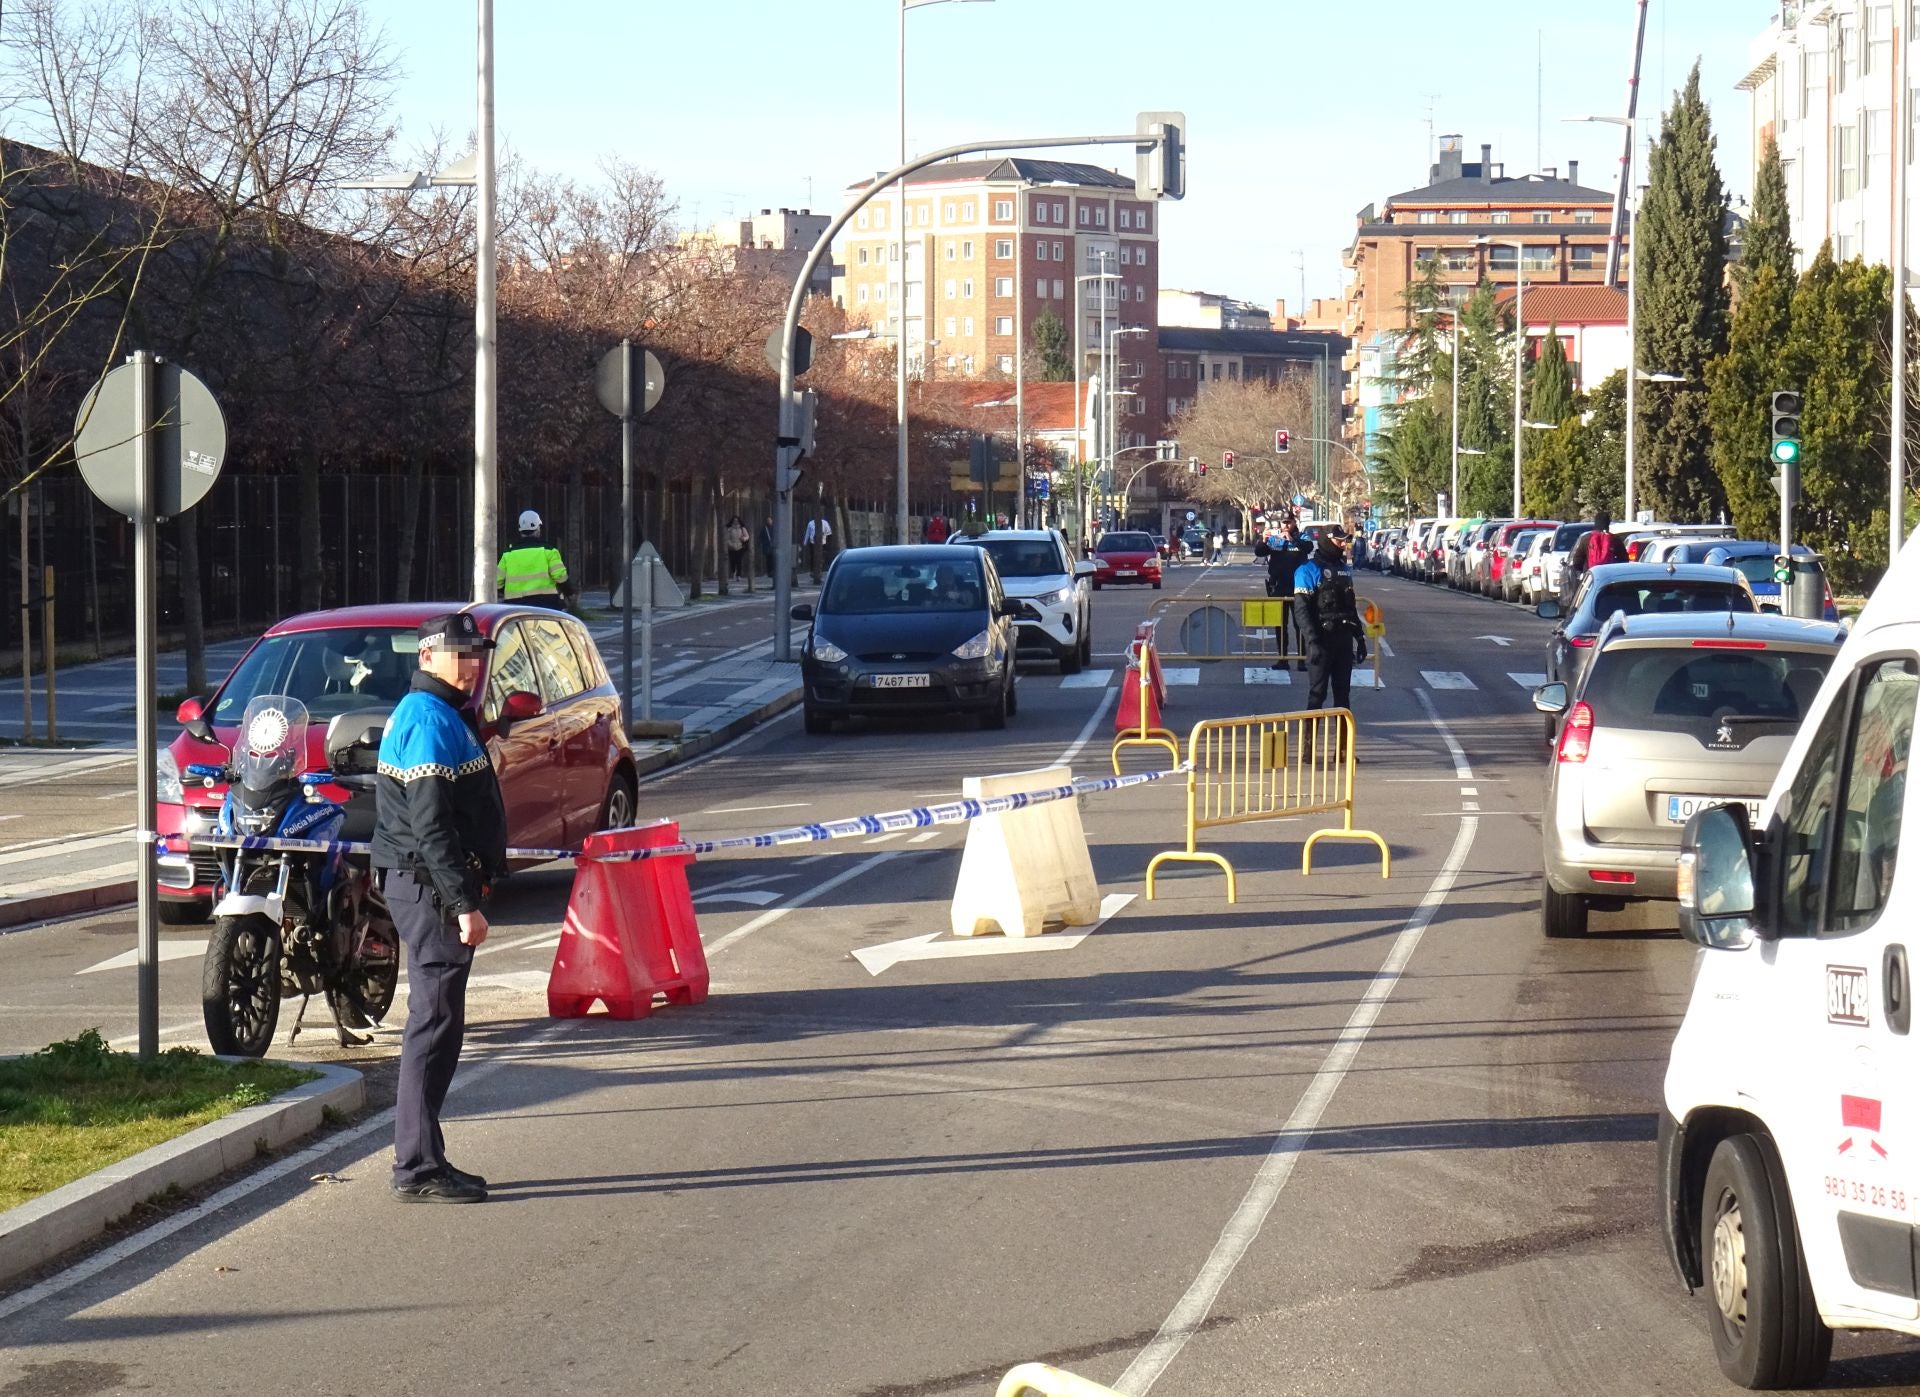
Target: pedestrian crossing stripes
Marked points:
1447	679
1527	679
1264	674
1087	679
1175	677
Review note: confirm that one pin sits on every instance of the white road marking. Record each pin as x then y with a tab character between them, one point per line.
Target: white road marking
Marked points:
755	809
27	853
931	946
886	838
1363	678
127	794
1176	677
1385	649
1262	674
169	950
800	899
1087	732
1088	679
109	1257
1469	805
923	838
1294	1137
1469	790
756	897
57	769
1527	679
1446	679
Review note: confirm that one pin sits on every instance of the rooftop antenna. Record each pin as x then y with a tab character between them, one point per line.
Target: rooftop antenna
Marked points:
1539	100
1300	261
1431	97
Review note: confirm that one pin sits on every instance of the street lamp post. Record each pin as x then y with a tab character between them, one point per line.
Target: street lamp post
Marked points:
1080	489
478	173
1114	394
900	260
1631	210
1519	350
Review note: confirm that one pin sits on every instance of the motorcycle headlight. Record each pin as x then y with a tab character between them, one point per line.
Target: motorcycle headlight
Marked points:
827	652
259	821
167	780
976	649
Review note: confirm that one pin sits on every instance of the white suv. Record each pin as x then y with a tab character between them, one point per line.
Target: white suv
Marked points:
1054	591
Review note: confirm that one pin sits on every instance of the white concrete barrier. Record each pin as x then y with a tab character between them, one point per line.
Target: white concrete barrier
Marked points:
1024	868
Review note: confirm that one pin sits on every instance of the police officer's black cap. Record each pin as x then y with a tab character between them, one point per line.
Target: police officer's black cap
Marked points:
456	630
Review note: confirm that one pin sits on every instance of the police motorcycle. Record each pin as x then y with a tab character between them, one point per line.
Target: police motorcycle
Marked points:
295	922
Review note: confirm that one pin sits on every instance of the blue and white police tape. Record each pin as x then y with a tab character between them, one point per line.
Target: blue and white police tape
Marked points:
913	817
275	844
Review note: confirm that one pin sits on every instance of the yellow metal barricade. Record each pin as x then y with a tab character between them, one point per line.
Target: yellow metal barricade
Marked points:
1225	627
1240	770
1049	1381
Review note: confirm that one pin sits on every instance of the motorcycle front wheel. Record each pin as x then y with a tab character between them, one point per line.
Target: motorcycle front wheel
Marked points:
240	985
364	992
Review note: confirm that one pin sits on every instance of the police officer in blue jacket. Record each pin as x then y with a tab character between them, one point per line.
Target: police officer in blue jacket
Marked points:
1324	601
440	836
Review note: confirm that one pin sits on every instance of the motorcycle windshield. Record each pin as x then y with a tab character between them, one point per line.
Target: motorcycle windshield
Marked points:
273	741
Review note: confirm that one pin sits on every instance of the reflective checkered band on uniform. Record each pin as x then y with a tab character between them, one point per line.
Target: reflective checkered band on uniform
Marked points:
408	774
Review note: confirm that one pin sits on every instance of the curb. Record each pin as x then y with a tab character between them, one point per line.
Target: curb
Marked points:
37	1231
66	903
701	743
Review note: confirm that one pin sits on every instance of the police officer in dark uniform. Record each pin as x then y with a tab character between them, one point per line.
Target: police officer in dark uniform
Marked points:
440	836
1336	639
1285	553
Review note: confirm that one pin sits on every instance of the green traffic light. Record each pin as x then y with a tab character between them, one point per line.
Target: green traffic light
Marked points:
1786	451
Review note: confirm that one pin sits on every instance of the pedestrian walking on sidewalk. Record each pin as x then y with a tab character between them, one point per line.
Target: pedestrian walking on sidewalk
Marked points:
737	539
1336	639
439	838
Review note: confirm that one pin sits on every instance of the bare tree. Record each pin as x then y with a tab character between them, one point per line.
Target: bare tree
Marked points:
1241	417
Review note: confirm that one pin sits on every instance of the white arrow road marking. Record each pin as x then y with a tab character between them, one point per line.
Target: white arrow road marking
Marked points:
169	950
758	897
877	959
1446	679
1502	641
1261	674
1525	679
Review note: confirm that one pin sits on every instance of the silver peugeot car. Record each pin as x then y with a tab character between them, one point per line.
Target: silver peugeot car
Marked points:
1672	713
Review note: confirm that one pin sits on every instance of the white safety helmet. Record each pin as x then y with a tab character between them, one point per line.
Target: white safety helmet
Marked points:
529	521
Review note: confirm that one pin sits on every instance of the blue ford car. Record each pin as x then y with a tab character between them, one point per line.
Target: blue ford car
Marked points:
916	629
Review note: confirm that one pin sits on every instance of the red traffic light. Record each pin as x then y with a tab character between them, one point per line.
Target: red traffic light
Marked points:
1282	440
1226	460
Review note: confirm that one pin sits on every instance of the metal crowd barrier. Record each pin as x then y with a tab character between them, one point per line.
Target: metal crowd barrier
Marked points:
1269	767
1228	628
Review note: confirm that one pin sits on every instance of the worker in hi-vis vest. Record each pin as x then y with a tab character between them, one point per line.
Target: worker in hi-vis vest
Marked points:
530	571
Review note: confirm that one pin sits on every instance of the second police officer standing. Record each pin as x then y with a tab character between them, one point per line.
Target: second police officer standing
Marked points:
439	838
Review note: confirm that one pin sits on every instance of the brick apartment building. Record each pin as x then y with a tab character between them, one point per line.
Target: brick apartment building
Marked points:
991	246
1562	226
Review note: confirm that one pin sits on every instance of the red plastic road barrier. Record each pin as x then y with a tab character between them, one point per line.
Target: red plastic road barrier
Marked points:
1127	717
630	932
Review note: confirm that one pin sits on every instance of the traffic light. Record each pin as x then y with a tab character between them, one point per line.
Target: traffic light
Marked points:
1282	440
1203	467
1226	460
1160	170
1786	428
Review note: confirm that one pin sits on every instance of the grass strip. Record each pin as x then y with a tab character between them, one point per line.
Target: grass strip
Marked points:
77	1106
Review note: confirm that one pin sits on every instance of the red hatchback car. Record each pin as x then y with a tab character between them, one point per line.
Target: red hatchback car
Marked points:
562	756
1125	556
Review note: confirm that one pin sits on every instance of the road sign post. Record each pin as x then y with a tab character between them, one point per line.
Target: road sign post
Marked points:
149	441
624	393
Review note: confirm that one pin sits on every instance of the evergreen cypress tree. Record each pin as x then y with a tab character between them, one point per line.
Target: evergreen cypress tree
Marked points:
1769	241
1682	311
1550	394
1054	345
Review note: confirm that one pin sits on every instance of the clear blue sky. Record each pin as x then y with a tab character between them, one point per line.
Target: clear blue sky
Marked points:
1301	112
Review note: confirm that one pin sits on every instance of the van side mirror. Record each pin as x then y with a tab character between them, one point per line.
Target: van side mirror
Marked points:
1548	610
1717	887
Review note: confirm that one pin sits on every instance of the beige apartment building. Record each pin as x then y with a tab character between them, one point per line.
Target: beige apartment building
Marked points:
991	246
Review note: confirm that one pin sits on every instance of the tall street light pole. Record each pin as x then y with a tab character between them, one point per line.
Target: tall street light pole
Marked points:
1519	352
899	253
486	506
1113	399
1902	154
1630	209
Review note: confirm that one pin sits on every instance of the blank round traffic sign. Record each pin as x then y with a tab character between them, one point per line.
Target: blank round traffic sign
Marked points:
186	435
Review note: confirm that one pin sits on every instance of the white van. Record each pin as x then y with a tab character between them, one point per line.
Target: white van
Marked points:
1790	1143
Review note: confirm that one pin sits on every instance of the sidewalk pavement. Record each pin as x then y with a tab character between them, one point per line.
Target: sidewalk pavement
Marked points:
66	816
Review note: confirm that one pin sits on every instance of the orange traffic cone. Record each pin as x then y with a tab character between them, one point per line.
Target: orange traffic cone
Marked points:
630	932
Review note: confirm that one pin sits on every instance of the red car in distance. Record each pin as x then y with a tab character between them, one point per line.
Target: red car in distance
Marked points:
1126	557
546	709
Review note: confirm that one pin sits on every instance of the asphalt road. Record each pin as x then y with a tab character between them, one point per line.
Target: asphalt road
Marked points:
1348	1135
